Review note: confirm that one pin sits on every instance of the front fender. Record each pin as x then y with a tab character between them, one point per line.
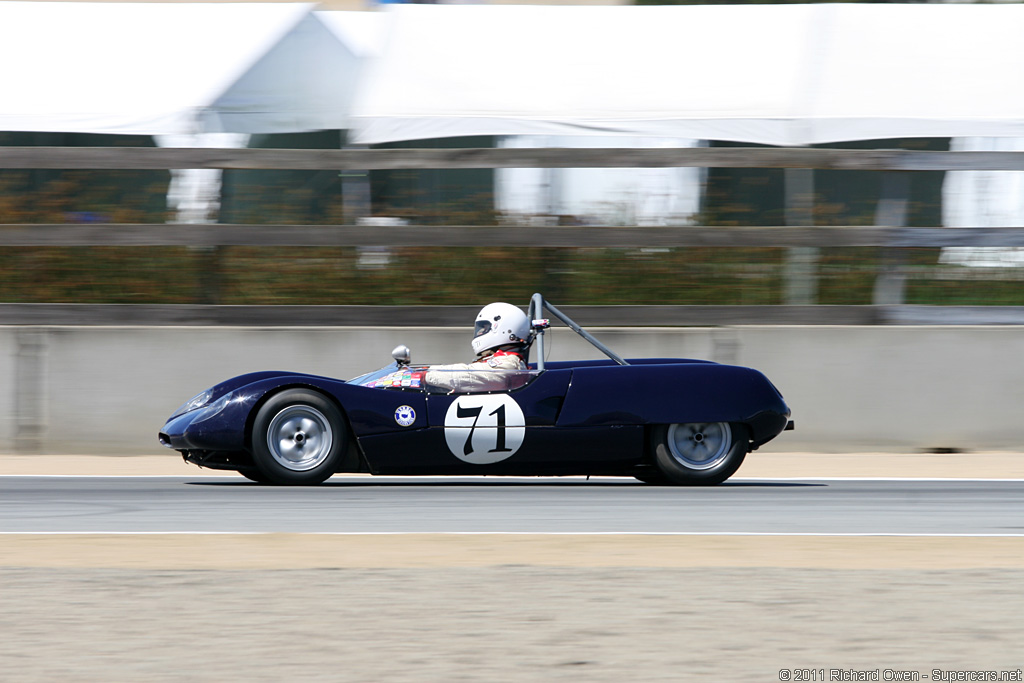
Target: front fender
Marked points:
223	424
214	427
369	411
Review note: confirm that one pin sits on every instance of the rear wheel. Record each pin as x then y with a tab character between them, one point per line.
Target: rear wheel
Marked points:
652	476
699	453
298	438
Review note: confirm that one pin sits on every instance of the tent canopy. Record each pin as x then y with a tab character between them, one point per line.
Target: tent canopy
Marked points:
172	69
771	74
305	82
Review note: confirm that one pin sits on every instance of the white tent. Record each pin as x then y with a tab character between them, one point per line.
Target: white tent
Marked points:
771	74
665	76
304	82
363	33
172	69
190	74
143	69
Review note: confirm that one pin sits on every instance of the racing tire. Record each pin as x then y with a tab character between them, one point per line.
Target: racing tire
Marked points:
651	476
298	438
254	475
699	453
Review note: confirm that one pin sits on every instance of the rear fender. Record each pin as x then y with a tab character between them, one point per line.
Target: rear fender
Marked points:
666	394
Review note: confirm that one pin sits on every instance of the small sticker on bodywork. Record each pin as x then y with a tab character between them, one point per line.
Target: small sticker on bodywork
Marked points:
405	416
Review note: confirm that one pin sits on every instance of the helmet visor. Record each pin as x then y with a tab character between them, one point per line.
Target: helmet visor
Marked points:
482	327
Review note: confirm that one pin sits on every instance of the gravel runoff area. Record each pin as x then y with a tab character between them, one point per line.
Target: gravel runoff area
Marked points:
435	607
506	623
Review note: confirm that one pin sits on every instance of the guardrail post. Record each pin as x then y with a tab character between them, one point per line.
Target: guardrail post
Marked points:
800	273
29	390
892	213
209	280
355	191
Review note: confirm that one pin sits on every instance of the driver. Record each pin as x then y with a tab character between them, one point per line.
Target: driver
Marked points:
501	340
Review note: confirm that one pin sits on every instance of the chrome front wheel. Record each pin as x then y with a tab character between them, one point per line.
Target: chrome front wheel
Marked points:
298	437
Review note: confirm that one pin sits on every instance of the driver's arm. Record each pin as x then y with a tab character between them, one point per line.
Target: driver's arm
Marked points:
472	377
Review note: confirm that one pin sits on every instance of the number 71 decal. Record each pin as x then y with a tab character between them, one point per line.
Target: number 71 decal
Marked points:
484	428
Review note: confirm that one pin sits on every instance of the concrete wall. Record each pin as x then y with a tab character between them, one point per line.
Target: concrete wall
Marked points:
107	390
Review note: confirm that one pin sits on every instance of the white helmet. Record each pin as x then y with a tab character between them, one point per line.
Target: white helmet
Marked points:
499	324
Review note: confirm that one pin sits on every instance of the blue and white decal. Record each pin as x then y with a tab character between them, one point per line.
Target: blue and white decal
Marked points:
484	428
405	416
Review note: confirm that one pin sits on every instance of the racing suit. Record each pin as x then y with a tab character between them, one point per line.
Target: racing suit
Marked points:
497	372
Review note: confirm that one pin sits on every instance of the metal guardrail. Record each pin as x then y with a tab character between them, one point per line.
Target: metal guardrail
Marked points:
215	234
798	236
184	315
164	158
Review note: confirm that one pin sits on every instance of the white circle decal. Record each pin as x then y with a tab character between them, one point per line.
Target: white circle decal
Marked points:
405	415
484	428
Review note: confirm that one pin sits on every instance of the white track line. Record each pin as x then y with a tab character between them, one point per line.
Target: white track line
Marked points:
525	480
781	534
784	479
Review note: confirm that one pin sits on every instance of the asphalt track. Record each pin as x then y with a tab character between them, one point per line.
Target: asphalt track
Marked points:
172	504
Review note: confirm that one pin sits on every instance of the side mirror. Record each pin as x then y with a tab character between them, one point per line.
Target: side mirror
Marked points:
402	354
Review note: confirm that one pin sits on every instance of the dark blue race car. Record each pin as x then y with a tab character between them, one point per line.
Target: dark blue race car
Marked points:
665	420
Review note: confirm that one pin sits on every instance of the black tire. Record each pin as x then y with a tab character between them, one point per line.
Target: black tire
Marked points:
652	476
298	438
699	453
254	475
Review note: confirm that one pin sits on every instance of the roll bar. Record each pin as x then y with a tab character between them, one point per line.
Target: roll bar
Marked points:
539	325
